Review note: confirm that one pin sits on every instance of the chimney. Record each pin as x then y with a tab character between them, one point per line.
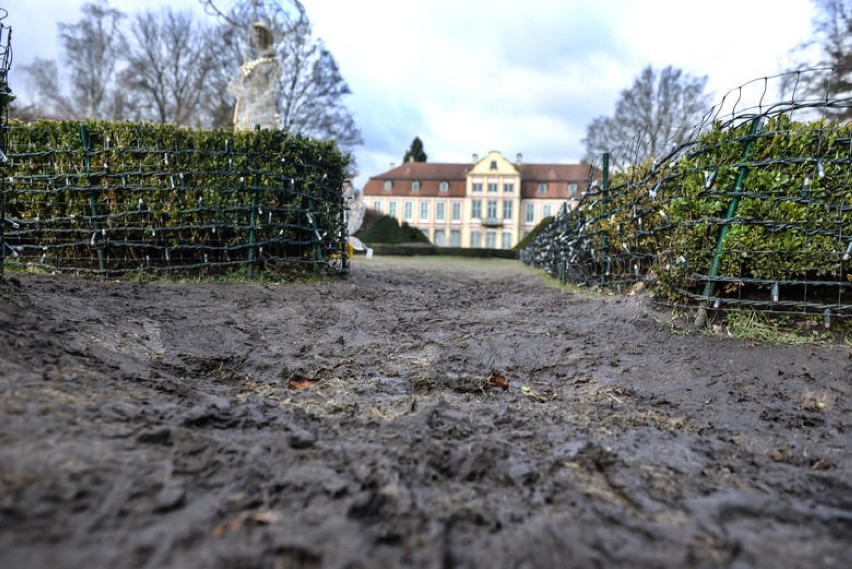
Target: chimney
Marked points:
475	157
520	159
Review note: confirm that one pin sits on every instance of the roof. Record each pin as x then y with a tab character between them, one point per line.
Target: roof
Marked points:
426	171
431	174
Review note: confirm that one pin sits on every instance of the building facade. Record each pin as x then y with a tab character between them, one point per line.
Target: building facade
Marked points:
491	203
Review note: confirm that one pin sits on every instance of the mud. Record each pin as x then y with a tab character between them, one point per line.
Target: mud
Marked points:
359	423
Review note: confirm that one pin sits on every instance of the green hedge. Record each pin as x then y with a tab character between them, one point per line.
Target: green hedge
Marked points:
387	230
132	194
792	222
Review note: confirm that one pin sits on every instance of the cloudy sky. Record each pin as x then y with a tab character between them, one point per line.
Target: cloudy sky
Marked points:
477	75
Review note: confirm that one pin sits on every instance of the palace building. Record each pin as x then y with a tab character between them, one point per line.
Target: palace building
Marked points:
491	203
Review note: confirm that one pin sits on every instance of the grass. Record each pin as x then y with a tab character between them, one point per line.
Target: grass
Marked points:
783	330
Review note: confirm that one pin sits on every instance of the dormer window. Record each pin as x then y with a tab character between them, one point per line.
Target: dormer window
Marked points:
572	190
444	187
542	187
388	185
415	186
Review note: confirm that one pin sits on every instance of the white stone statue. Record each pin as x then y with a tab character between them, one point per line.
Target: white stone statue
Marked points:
256	87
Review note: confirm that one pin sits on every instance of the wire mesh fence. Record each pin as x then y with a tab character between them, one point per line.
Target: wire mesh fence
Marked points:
116	198
753	209
5	99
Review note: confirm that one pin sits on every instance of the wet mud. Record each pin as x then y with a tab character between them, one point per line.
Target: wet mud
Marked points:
366	423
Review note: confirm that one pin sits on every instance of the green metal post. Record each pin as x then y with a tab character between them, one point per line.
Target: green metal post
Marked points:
317	239
93	207
709	287
605	189
253	214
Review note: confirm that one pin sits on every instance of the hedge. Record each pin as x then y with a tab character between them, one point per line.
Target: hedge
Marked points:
162	197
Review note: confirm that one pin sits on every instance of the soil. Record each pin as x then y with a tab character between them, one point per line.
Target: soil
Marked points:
362	422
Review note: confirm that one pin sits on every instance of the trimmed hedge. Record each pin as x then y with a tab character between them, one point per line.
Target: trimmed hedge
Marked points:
387	230
790	222
171	196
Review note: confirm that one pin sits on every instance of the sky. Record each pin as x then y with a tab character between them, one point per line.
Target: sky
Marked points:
472	76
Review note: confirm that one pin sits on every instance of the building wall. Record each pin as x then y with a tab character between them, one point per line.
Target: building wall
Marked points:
491	211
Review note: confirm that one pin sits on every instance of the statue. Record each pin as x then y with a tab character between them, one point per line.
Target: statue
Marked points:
257	84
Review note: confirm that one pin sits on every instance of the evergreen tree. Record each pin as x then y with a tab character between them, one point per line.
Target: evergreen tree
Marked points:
415	153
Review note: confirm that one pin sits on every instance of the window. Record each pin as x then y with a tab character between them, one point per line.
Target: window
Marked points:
424	211
377	205
455	238
477	186
440	239
493	165
415	186
441	211
491	239
507	209
492	209
492	186
444	187
546	210
475	239
457	211
425	232
508	187
476	209
392	209
542	187
407	211
388	185
572	190
529	213
507	240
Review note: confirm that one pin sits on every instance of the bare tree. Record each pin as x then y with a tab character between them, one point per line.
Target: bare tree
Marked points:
170	59
91	55
656	113
312	92
830	48
217	110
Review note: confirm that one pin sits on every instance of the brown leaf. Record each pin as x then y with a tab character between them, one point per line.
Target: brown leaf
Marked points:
240	521
267	517
300	384
497	380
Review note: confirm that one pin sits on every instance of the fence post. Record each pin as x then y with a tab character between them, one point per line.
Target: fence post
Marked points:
2	199
84	139
253	210
606	197
3	127
709	286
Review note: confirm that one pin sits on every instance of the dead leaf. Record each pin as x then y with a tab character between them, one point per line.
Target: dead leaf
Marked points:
300	383
240	521
498	380
636	289
265	518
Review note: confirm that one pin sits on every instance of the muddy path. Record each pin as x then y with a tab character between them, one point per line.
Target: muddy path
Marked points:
364	423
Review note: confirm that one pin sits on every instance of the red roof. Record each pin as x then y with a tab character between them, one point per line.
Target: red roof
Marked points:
431	174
